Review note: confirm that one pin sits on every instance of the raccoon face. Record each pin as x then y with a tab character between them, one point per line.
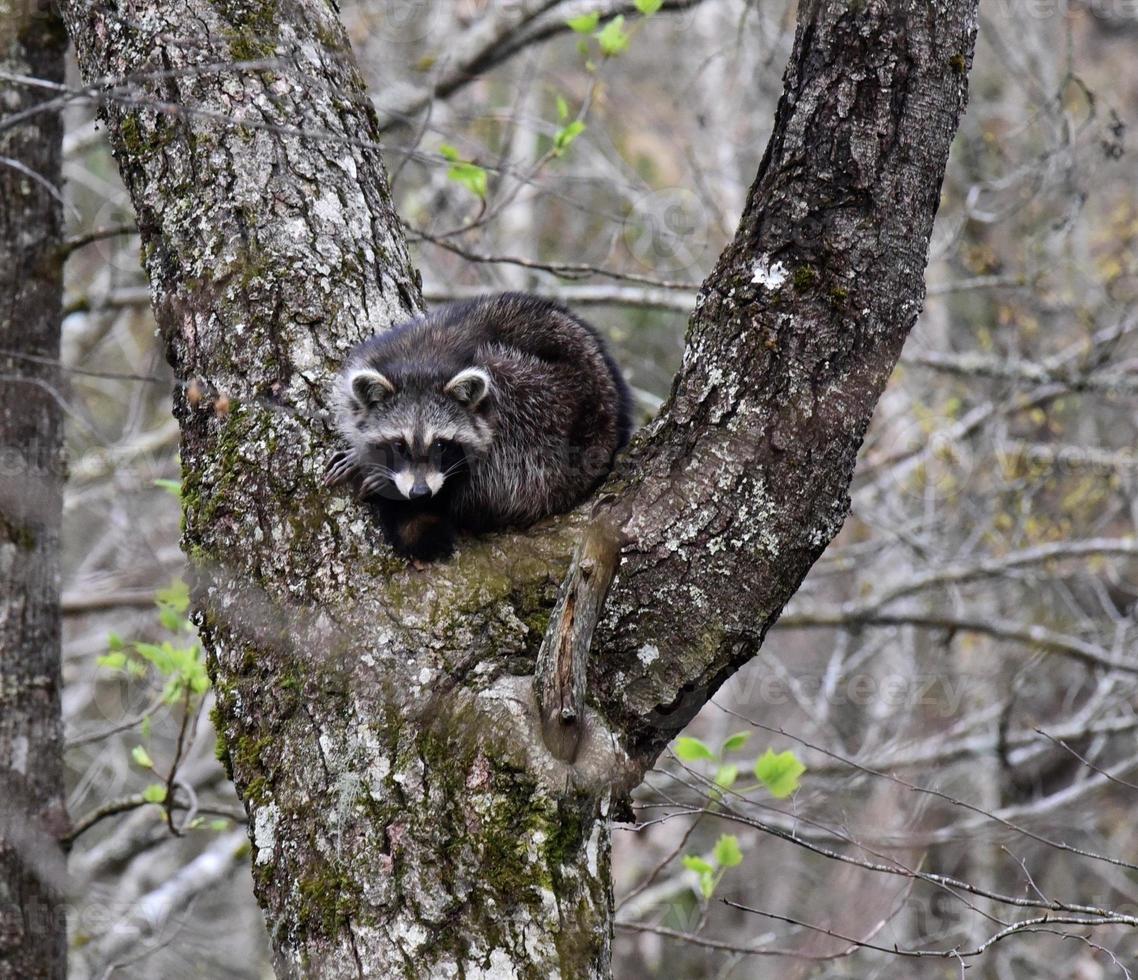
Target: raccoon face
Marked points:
413	434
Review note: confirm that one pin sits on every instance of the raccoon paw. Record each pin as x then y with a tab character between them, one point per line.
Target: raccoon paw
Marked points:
371	484
341	467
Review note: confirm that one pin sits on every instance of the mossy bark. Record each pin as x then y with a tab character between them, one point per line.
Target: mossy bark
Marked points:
33	817
379	720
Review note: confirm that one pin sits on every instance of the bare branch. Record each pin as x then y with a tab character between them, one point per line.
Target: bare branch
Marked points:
560	670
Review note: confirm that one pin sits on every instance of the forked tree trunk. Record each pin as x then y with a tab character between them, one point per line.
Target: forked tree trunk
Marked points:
33	937
380	720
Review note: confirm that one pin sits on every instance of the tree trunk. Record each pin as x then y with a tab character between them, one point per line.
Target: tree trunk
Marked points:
33	935
380	720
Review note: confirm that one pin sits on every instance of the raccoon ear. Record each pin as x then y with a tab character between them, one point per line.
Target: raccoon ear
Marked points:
469	386
369	387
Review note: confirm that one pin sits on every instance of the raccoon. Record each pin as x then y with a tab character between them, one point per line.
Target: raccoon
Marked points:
475	417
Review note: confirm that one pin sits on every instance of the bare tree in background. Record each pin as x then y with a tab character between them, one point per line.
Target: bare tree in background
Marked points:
32	814
381	722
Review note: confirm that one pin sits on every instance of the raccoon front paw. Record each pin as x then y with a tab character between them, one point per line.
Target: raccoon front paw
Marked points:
341	468
372	484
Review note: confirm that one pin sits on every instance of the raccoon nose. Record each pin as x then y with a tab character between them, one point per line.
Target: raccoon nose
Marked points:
419	490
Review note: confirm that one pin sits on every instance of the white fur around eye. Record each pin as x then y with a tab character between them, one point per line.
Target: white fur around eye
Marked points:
469	386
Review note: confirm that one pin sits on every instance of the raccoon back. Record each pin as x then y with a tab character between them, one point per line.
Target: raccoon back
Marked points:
563	411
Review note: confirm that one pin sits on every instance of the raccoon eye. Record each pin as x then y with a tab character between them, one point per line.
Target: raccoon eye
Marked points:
438	445
399	447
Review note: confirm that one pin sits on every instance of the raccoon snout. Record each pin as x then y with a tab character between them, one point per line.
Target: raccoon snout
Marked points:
415	486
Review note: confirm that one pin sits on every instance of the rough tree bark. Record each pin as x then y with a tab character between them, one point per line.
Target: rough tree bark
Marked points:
33	937
380	721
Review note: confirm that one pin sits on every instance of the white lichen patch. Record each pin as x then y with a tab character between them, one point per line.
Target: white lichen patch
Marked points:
648	654
377	773
347	789
327	207
758	514
769	275
499	968
297	229
592	849
265	831
409	935
535	939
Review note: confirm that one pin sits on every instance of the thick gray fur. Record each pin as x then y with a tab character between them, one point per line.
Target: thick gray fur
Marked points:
520	399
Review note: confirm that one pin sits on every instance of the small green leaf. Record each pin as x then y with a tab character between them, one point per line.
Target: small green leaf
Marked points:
779	773
169	617
726	775
114	641
160	656
707	885
649	7
145	727
566	135
218	824
613	38
173	487
562	108
154	793
176	595
585	24
693	863
142	757
727	851
469	175
115	661
691	749
736	741
472	177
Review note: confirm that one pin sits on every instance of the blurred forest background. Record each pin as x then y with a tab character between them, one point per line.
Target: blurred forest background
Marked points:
959	673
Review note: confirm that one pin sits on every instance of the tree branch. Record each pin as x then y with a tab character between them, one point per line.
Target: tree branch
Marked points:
503	35
560	669
728	499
